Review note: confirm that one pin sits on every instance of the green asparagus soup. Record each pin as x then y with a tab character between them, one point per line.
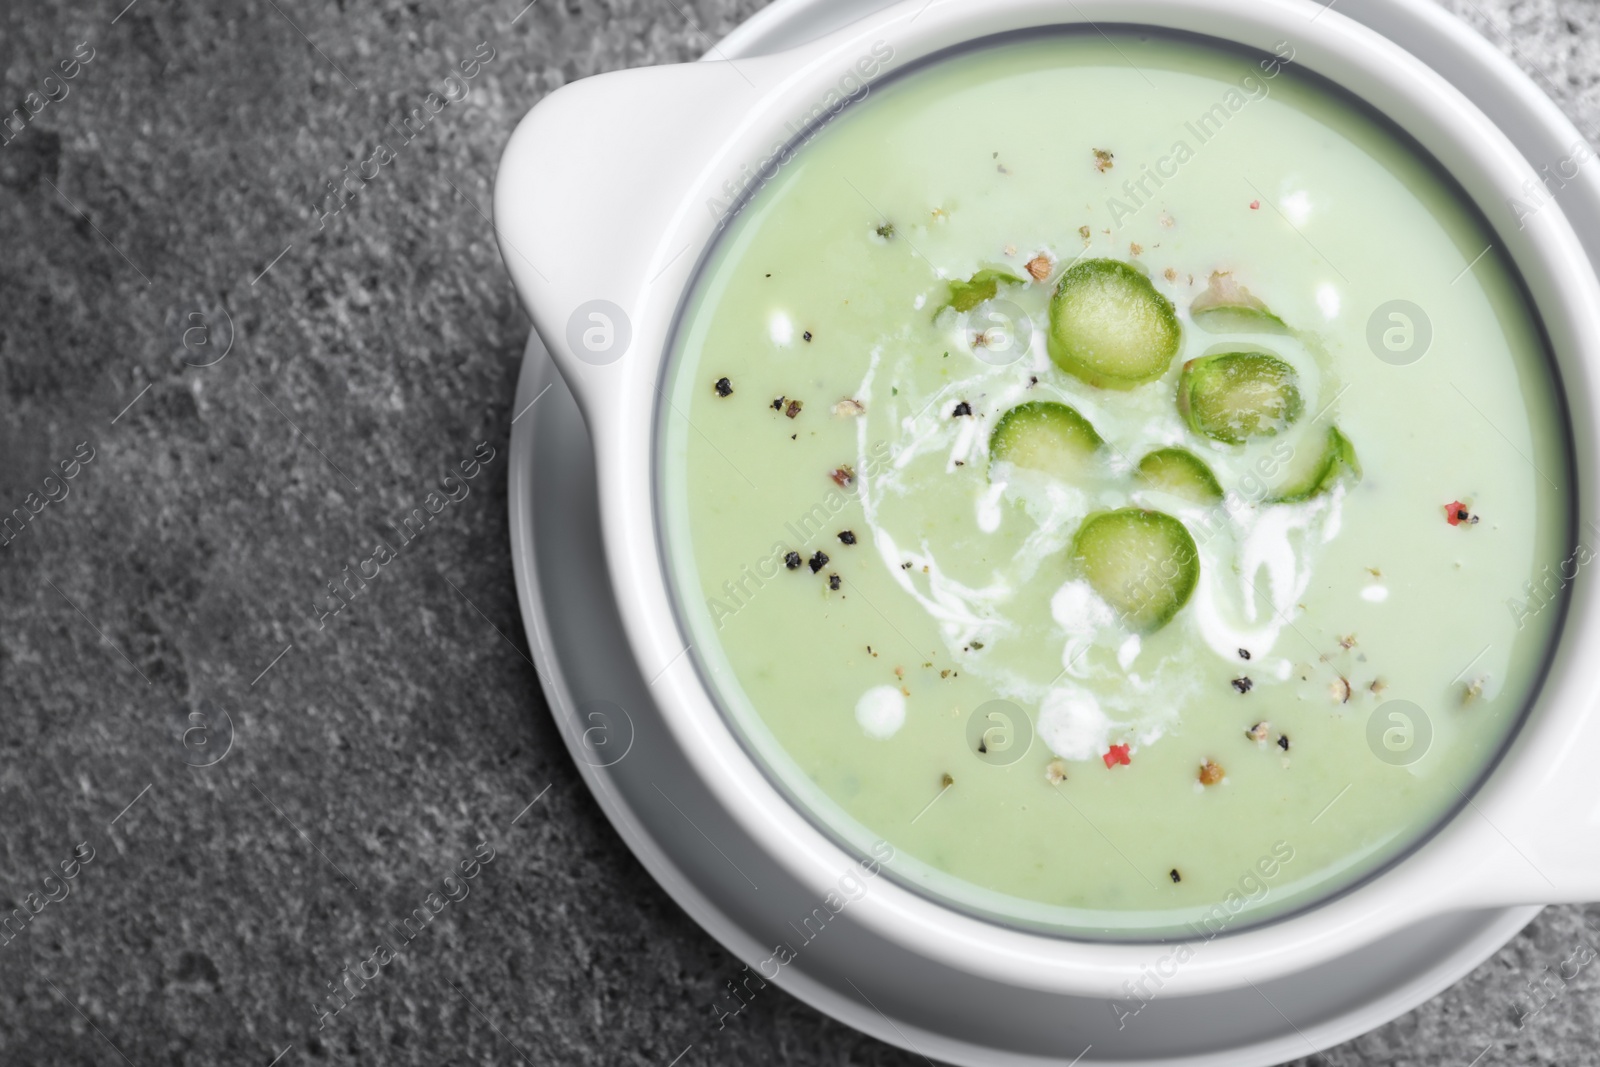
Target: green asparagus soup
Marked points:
1122	474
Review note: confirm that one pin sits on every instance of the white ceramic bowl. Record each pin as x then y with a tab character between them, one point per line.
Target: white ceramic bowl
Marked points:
602	196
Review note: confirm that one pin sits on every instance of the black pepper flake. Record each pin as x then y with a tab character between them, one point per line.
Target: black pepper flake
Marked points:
962	408
724	387
806	336
1283	742
793	409
886	231
1463	515
977	646
1243	685
793	561
819	561
1244	653
847	537
833	581
905	566
1174	875
777	405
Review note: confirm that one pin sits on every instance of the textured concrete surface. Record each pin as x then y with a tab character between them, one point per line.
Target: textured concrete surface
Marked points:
175	582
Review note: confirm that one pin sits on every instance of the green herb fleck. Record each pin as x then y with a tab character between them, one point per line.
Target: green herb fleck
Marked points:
966	295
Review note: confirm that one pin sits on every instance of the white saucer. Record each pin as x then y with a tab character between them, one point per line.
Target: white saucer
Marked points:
723	880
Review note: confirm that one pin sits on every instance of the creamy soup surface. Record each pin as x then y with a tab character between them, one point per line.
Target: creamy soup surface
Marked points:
1112	472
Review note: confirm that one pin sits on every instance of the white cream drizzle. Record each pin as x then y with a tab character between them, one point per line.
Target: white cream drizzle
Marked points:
1256	562
780	329
881	711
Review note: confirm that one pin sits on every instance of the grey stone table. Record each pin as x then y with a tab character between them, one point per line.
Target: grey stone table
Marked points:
250	391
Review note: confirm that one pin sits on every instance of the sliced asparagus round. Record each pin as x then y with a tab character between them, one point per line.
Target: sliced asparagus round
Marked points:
1179	472
1045	436
1234	396
1109	326
1338	455
1142	563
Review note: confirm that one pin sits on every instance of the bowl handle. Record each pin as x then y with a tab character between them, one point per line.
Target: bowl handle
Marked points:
594	180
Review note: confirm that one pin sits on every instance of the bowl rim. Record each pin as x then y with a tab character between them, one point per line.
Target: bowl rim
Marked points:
681	595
